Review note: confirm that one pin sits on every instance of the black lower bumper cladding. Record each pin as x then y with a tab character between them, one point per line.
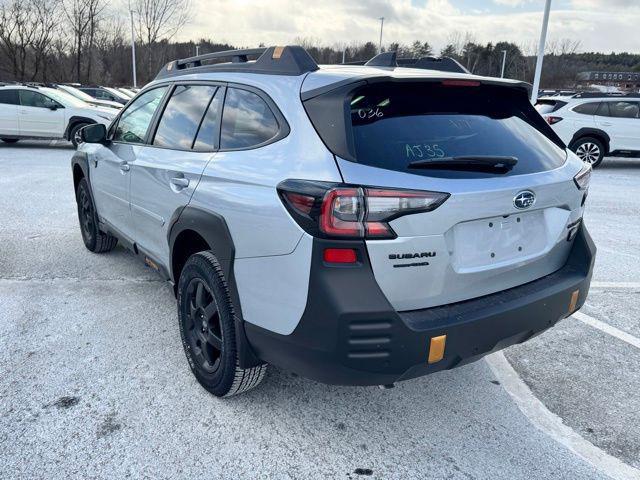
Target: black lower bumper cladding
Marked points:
351	335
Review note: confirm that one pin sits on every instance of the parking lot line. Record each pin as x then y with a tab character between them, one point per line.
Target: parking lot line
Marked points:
551	424
606	328
616	285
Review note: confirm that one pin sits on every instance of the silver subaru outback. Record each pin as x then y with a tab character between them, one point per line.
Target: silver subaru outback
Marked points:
355	224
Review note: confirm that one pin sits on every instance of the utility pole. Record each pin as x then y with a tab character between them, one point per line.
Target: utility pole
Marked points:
344	55
543	40
197	50
504	61
381	25
133	53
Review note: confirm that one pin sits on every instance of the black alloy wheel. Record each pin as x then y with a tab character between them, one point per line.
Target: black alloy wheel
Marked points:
86	215
203	328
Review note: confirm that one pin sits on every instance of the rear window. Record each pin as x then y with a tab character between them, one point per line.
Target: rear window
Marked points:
587	108
396	124
247	121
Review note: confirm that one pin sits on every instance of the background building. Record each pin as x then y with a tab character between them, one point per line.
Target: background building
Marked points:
625	81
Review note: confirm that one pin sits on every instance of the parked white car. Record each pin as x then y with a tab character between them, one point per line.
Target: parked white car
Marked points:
46	113
595	125
70	89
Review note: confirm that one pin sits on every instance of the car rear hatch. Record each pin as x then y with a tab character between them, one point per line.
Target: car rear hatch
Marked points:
512	199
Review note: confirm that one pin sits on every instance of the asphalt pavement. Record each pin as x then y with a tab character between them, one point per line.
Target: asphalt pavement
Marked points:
94	383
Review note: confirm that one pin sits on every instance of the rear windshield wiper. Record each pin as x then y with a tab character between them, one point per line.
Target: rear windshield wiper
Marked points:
471	163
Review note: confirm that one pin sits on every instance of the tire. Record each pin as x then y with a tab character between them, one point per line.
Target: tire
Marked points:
589	149
9	140
207	328
94	239
74	135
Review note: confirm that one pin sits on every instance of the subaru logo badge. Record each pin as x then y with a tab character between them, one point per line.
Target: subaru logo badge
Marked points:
524	199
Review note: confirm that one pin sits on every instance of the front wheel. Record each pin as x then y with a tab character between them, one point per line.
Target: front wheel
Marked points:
94	239
207	328
589	150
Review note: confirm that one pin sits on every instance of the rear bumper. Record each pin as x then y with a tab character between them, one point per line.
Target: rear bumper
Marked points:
350	334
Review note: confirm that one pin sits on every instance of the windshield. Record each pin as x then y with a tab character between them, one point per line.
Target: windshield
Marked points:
394	125
116	93
65	98
77	93
127	92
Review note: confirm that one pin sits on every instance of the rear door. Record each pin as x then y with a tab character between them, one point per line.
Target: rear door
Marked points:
166	172
584	117
483	238
40	115
620	119
9	112
111	164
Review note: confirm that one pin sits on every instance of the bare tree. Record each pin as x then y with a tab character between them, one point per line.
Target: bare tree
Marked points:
83	17
45	30
16	34
158	20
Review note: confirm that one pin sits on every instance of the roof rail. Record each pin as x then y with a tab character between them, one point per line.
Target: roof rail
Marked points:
288	60
444	64
606	94
389	59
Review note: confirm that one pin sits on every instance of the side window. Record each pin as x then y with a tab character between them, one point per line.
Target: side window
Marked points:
30	98
624	109
182	115
207	138
603	110
134	121
247	120
587	108
9	97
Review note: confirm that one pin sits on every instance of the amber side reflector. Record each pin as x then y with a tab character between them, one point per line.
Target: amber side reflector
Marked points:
277	52
436	348
574	301
151	263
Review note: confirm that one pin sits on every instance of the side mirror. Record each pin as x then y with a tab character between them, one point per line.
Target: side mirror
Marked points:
94	133
53	106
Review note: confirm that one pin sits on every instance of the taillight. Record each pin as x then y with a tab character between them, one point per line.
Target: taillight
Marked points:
331	210
551	120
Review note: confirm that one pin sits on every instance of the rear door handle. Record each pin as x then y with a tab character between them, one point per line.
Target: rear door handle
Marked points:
180	182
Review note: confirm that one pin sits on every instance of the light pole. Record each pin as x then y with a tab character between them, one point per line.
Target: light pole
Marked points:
543	40
381	25
504	61
133	53
197	50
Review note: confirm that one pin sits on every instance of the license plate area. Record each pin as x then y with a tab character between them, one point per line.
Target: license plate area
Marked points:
497	241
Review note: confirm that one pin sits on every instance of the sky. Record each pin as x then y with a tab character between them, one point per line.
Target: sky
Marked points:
599	25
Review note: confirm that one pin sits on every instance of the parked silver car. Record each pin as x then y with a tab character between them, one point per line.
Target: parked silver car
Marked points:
356	225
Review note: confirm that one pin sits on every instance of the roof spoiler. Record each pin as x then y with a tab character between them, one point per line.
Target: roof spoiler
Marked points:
288	60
